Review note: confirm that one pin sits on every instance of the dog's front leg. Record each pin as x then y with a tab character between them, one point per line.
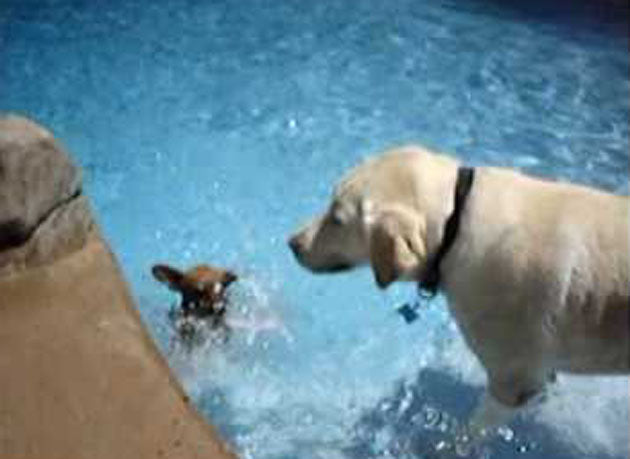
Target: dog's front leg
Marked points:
489	414
508	392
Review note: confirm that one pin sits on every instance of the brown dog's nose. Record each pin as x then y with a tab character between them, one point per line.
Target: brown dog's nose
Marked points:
229	278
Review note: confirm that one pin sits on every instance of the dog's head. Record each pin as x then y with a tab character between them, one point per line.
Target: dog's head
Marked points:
373	218
202	280
210	280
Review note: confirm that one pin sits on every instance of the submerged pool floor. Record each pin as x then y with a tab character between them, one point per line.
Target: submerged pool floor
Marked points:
208	131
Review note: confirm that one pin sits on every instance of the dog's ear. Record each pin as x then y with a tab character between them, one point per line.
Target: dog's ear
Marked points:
396	247
168	275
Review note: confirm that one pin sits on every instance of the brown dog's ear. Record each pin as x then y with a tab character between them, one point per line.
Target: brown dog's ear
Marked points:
169	276
396	247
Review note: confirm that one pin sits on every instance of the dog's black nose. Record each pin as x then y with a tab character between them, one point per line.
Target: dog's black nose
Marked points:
296	245
229	278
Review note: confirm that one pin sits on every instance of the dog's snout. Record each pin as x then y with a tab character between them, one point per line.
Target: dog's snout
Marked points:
229	278
297	245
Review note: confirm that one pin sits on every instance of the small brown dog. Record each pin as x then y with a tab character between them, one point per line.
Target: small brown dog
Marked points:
203	295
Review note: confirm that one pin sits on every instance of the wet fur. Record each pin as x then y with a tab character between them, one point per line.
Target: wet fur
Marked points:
203	296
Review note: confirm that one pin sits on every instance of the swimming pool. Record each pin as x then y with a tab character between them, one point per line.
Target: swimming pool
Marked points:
208	130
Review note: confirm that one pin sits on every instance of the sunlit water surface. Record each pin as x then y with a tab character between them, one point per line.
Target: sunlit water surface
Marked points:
207	131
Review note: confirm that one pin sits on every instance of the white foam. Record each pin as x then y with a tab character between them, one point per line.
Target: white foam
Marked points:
589	414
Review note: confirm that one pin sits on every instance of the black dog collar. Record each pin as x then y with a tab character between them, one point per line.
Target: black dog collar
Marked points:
430	281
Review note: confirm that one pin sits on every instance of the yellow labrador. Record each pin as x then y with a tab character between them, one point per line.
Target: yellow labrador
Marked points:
536	272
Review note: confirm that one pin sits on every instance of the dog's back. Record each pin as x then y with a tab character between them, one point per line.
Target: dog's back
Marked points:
556	259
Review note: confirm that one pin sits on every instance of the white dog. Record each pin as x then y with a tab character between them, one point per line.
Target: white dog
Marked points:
536	272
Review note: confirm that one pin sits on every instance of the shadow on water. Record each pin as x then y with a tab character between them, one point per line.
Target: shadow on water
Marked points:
418	416
414	418
571	16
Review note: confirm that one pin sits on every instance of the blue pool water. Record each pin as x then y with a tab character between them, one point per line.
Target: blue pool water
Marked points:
208	131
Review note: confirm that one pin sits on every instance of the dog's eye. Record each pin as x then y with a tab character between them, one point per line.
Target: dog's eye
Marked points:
337	219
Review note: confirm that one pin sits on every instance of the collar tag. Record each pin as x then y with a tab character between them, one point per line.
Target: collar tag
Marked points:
409	312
